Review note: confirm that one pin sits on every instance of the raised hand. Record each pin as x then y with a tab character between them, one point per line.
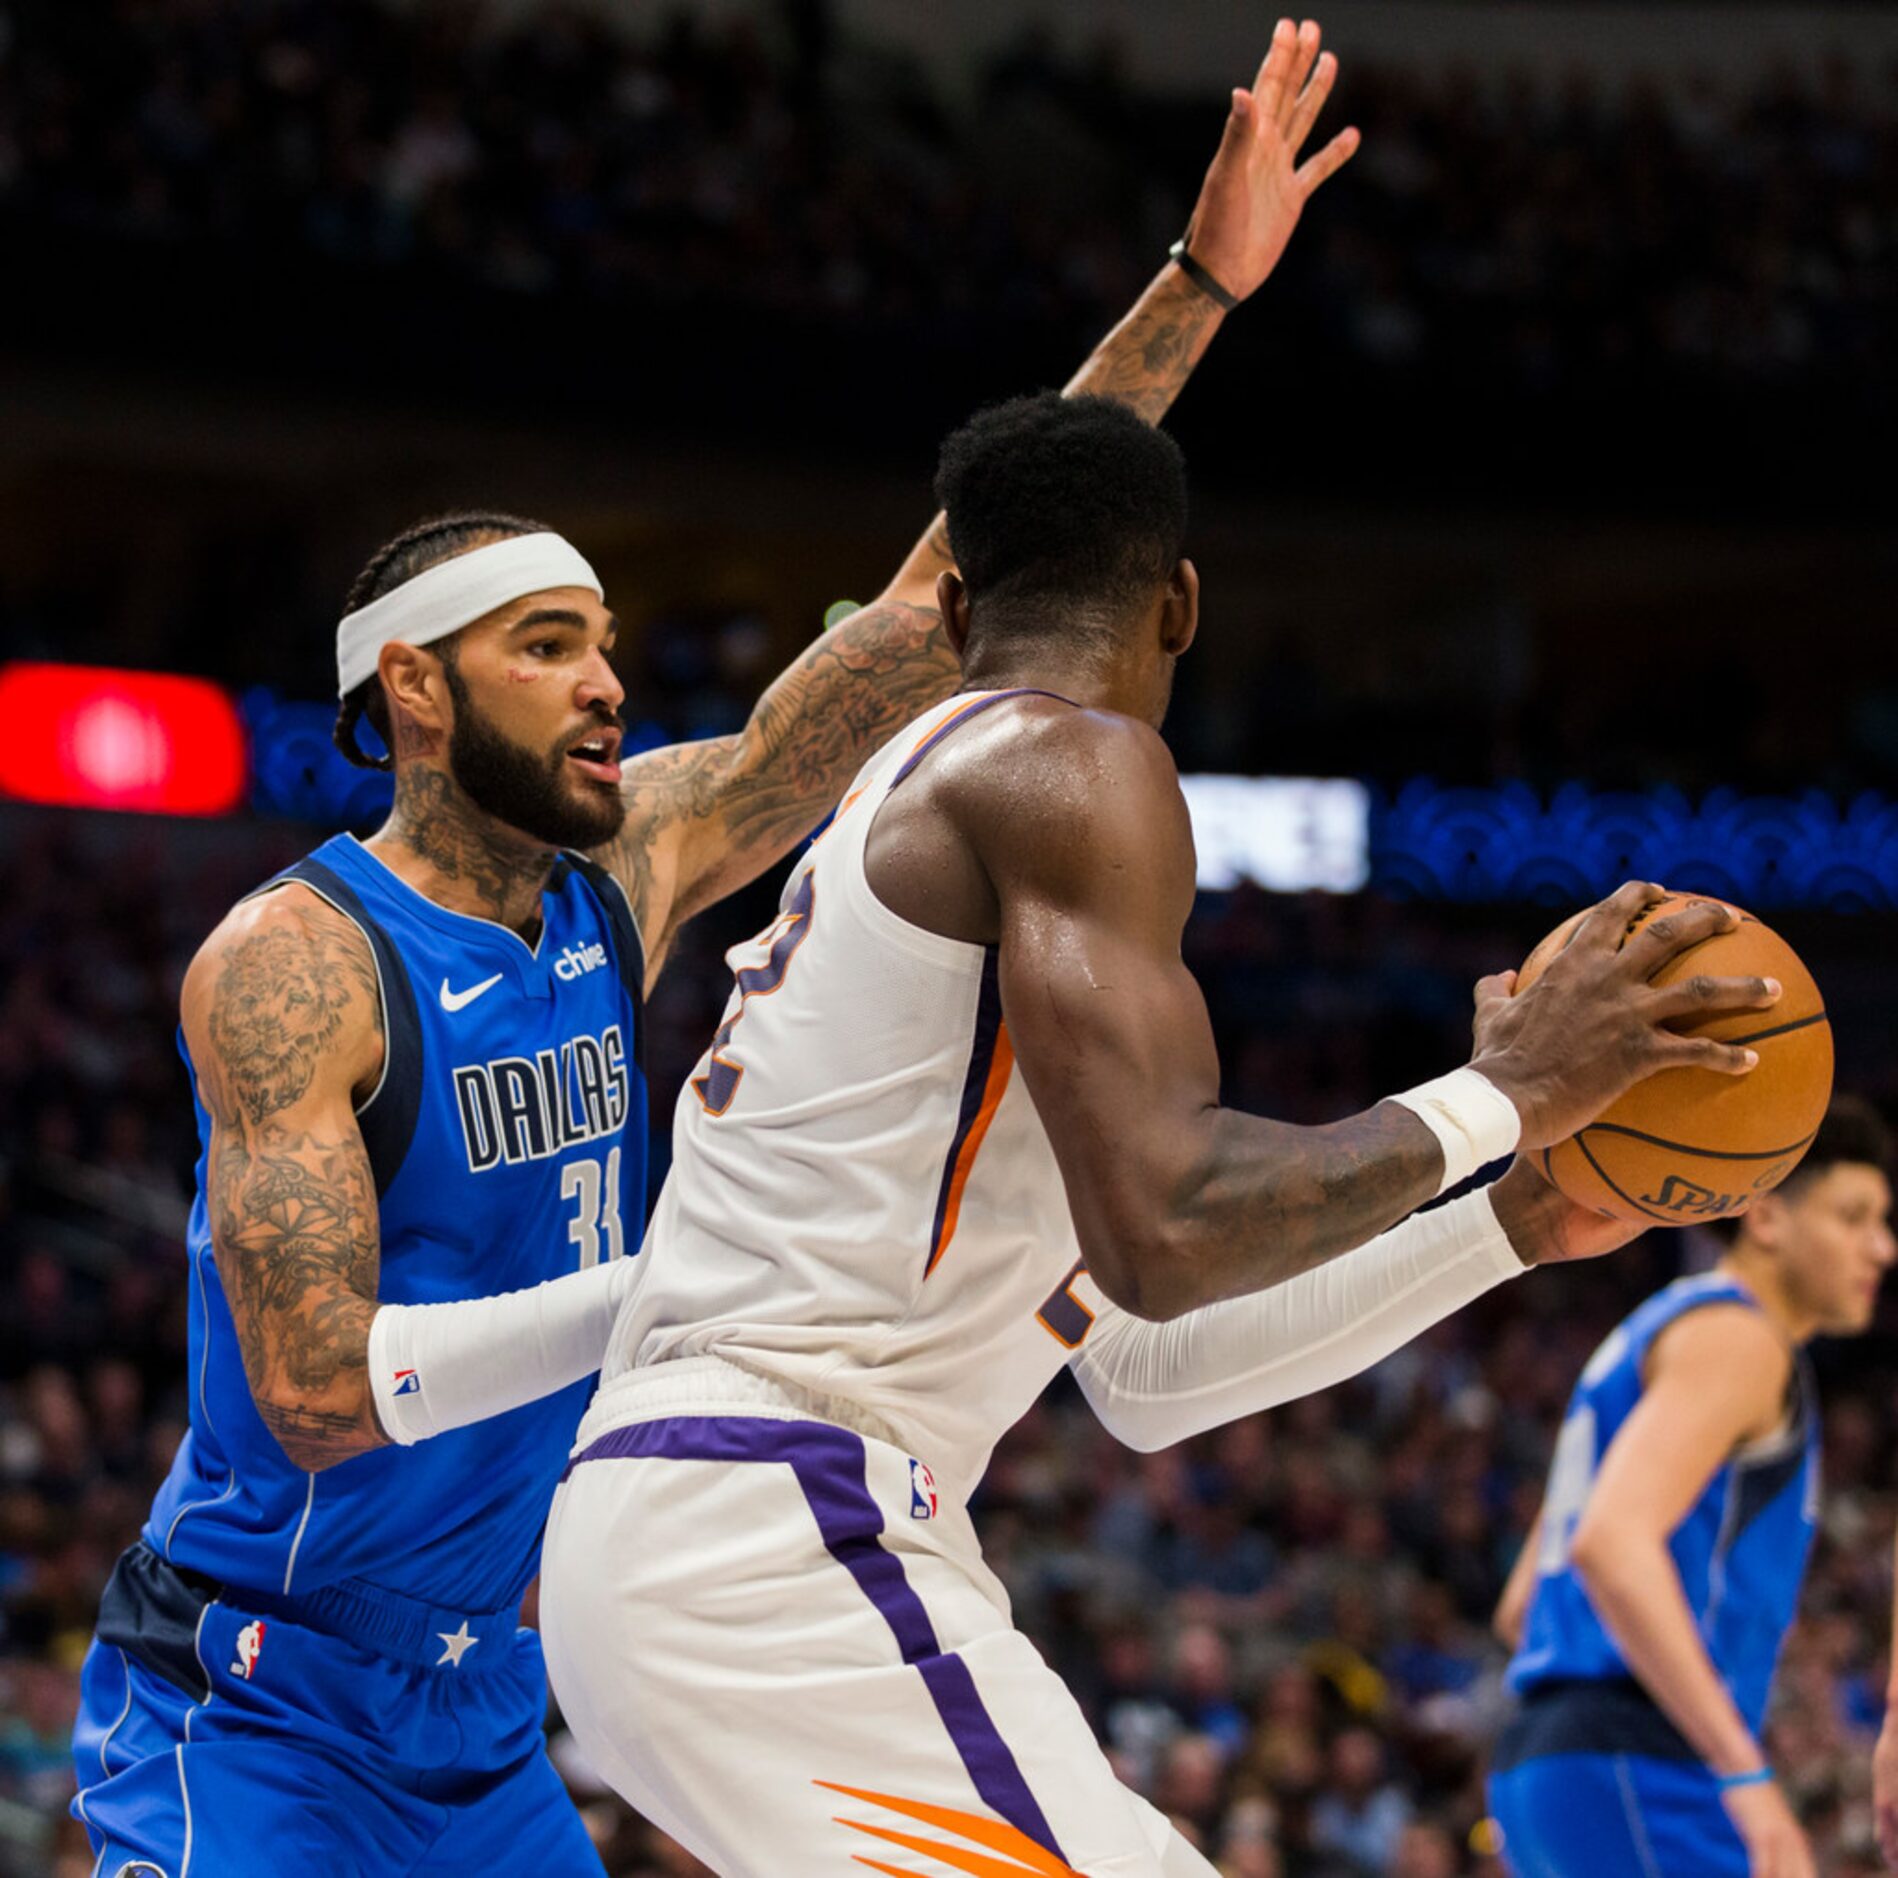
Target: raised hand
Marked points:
1256	189
1592	1026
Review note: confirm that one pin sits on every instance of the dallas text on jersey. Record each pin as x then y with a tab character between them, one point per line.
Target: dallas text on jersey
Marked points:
518	1108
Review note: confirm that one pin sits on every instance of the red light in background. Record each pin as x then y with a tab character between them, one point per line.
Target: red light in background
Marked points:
90	737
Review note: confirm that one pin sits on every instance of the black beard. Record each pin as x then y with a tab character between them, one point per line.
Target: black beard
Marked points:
527	792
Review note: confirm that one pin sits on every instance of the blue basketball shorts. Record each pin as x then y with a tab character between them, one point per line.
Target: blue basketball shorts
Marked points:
219	1741
1593	1781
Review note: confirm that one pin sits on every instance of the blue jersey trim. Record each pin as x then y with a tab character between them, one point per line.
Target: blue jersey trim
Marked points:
629	950
388	1118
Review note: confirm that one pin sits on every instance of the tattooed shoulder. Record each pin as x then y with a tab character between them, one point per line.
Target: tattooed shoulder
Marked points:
283	982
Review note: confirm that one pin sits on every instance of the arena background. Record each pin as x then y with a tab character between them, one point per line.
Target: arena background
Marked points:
1544	509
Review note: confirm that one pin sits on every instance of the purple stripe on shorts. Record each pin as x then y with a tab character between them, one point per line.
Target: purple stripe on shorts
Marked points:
828	1463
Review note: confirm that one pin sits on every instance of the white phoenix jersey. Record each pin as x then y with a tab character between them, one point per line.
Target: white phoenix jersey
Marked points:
863	1202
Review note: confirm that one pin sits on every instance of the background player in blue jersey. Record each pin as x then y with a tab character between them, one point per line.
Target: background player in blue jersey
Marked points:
420	1104
1649	1604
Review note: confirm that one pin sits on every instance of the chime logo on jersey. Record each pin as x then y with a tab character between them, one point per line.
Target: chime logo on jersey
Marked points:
922	1492
576	961
520	1108
250	1646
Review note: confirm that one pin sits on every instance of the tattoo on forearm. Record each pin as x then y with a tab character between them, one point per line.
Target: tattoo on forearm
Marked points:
752	796
1265	1217
298	1253
1145	360
294	1216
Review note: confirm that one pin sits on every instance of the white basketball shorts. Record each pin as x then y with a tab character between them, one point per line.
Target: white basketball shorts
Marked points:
771	1637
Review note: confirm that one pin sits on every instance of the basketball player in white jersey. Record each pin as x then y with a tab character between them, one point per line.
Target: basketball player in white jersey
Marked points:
960	1127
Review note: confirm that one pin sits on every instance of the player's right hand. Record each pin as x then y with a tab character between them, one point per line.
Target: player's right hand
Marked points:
1885	1788
1592	1026
1775	1842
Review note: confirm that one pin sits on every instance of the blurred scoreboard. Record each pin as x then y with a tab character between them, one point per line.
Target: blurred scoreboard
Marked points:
1291	834
92	737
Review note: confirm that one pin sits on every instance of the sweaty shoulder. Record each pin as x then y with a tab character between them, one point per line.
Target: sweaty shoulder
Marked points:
1052	786
281	997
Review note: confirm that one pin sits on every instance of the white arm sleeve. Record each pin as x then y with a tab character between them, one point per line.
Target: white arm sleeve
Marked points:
433	1367
1155	1384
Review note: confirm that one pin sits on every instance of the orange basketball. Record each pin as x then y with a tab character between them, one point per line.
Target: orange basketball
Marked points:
1691	1144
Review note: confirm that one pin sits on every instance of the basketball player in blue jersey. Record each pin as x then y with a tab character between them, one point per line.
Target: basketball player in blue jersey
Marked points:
1648	1607
422	1109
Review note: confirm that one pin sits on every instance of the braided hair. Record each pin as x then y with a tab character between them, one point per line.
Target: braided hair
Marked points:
401	559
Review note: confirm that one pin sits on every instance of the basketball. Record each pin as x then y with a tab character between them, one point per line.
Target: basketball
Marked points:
1689	1144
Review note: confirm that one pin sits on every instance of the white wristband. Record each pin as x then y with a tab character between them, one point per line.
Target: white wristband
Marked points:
1473	1121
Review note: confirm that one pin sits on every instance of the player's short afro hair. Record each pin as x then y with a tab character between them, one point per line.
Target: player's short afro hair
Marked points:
1062	500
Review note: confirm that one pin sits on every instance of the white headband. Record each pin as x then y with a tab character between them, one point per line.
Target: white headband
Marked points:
453	594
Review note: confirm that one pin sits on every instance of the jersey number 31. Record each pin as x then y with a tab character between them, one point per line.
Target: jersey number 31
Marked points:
597	1191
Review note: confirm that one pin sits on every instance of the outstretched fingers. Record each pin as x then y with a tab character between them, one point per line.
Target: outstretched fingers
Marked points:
1310	102
1298	74
1269	88
1330	160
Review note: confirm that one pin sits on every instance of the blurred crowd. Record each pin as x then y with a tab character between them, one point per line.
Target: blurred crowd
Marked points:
773	162
1280	1630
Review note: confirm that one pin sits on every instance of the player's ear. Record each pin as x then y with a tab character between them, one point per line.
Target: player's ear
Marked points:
952	602
1765	1221
412	681
1179	608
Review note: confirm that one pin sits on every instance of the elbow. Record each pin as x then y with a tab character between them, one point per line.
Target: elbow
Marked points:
1141	1436
315	1434
1145	1268
1601	1554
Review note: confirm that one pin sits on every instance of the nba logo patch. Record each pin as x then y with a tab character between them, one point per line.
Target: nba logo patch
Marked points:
922	1492
250	1646
407	1382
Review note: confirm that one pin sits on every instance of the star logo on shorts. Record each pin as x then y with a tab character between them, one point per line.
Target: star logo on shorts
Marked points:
458	1643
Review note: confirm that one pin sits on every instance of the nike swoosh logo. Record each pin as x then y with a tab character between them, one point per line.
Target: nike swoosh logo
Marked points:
456	1000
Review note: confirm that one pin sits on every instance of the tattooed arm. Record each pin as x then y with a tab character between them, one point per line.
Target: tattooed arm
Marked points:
705	818
284	1024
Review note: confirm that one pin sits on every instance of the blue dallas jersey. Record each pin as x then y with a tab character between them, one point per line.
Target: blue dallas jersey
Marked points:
508	1140
1741	1551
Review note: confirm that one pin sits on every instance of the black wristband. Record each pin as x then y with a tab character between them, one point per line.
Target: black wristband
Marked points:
1201	278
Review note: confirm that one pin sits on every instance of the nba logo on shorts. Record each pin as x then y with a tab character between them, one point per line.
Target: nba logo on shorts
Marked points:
922	1492
250	1646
